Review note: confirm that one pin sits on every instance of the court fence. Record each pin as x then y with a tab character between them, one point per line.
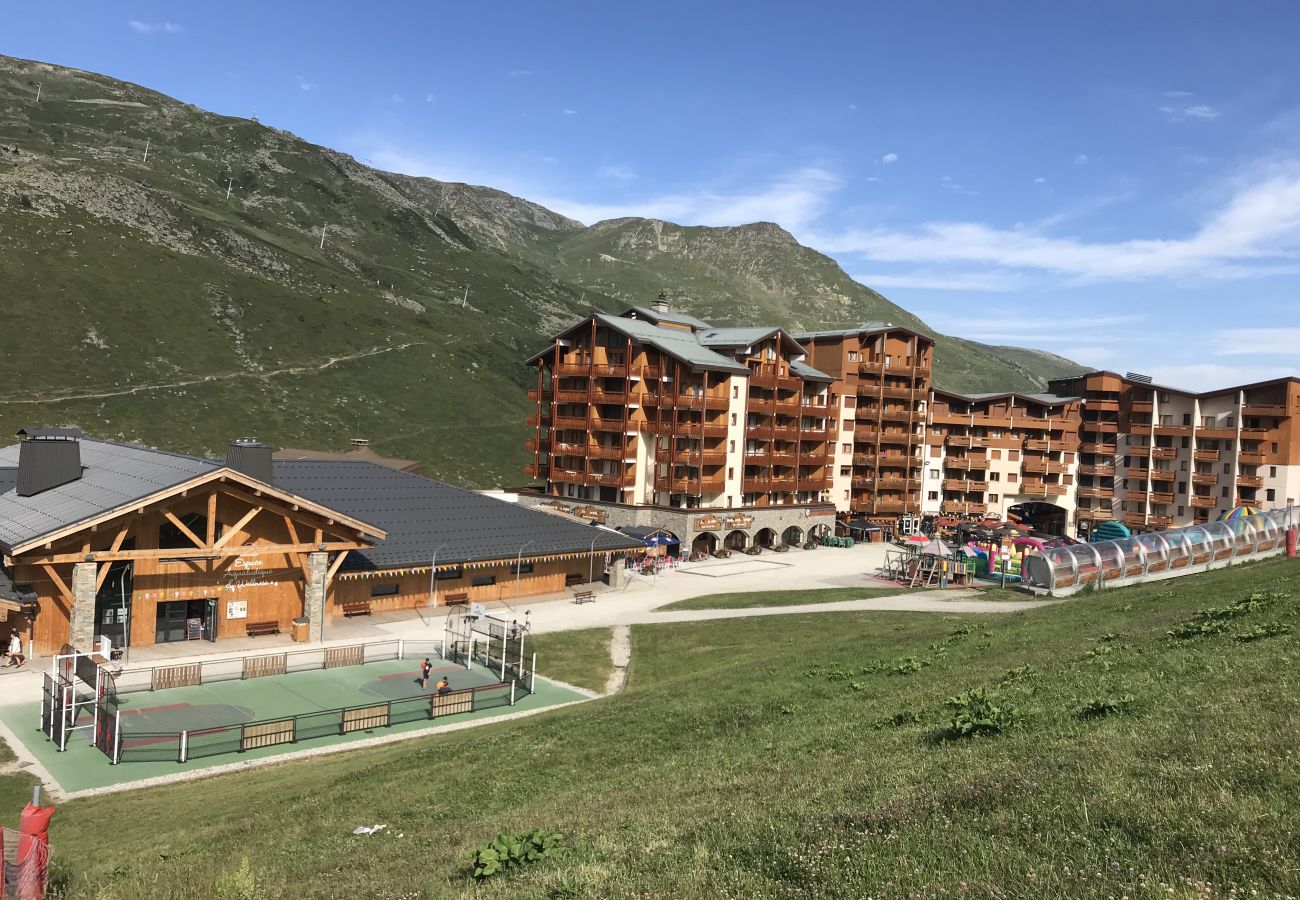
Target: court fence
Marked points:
517	680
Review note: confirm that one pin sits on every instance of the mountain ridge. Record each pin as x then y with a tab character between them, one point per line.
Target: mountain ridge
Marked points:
189	298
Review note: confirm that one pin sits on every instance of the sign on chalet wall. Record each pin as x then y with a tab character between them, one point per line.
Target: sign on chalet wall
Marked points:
707	523
738	520
582	512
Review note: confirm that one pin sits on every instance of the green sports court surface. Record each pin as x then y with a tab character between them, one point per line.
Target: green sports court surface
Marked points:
213	711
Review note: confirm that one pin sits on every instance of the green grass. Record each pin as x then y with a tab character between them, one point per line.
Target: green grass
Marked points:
6	753
760	758
782	598
580	658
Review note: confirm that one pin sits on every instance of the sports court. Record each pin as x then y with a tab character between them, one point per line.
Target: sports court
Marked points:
234	713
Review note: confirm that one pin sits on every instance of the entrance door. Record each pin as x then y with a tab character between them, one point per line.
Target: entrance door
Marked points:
180	620
113	605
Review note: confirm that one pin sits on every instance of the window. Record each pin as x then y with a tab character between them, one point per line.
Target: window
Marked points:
1183	465
1187	419
483	580
848	425
850	401
172	538
995	476
1182	489
731	446
1269	494
1225	491
934	473
847	448
1164	398
1186	443
383	590
1207	421
1013	455
735	391
1272	471
731	472
853	356
996	454
933	495
733	418
521	568
1181	511
1012	477
846	495
846	470
1166	420
451	574
993	498
1274	443
1227	467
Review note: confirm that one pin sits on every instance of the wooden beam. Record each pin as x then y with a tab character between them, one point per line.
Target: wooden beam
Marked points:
58	582
335	566
237	527
298	559
212	518
275	504
196	553
117	545
181	527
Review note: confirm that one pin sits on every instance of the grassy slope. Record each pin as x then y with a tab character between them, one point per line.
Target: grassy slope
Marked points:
579	658
126	275
754	758
781	598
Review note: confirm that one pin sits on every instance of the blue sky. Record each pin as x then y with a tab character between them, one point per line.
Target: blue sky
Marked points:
1118	182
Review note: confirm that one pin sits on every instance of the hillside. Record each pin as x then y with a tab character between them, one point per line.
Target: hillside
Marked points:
802	755
184	298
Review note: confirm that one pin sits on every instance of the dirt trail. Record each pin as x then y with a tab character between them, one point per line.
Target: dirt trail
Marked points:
207	379
620	653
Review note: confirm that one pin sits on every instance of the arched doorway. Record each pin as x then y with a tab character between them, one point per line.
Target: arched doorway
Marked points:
792	536
707	542
737	540
817	532
1038	516
766	538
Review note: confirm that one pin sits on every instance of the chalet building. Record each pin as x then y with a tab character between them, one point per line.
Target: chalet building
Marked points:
1004	455
722	436
102	539
882	385
1154	456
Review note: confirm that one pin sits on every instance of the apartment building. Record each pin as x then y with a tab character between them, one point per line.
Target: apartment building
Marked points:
659	411
882	385
1004	455
1154	456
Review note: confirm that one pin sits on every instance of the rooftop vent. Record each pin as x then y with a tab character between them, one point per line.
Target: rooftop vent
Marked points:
1134	376
360	443
251	457
47	458
661	304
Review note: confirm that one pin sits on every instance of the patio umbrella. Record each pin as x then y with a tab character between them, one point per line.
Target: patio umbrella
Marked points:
937	548
918	539
1239	512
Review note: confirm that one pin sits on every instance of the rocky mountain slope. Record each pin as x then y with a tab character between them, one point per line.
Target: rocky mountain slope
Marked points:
165	280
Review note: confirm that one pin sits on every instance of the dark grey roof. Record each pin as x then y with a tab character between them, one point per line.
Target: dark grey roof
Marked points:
421	515
50	432
642	532
113	476
1047	399
10	591
808	373
864	328
736	337
672	317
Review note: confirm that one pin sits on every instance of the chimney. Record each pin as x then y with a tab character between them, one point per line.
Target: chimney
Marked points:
660	304
360	443
47	458
251	457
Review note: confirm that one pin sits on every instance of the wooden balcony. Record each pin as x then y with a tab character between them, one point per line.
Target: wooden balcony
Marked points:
760	406
1135	518
1098	471
1205	478
570	422
1164	453
536	470
894	483
1103	404
899	438
895	506
1140	406
534	395
1164	475
1096	493
1038	489
601	370
704	485
864	459
1157	521
1276	410
1098	448
1163	497
963	440
533	445
1206	455
896	413
767	376
959	463
1255	434
965	485
1203	501
1044	466
963	508
1249	481
1173	430
898	393
1093	513
814	483
1250	458
898	461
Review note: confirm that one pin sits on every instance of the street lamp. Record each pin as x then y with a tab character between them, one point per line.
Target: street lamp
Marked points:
591	562
519	563
433	585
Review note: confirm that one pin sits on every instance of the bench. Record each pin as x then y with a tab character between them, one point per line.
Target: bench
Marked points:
257	629
574	578
456	599
584	596
356	608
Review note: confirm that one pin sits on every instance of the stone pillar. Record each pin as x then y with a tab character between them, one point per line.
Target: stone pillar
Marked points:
81	632
313	604
616	570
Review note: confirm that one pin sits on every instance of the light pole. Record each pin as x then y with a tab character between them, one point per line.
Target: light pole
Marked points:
519	564
591	562
433	585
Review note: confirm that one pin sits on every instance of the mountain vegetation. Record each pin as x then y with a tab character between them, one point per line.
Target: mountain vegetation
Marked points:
181	278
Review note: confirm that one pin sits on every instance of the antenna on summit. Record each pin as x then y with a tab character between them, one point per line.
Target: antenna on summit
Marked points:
230	184
38	92
146	150
322	236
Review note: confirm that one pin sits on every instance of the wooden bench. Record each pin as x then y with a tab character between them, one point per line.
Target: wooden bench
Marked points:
356	608
257	629
574	578
584	596
455	599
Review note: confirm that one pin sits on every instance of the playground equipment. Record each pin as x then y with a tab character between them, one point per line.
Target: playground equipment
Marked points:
1155	555
63	707
470	635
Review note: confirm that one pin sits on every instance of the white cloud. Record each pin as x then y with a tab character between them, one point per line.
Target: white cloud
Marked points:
1082	159
1179	94
947	183
853	106
570	112
520	73
1259	342
304	84
1183	113
889	158
1040	180
616	173
151	28
874	179
1212	376
793	201
1257	232
430	98
397	98
931	280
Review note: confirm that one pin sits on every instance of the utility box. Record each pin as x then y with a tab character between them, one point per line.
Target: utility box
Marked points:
301	625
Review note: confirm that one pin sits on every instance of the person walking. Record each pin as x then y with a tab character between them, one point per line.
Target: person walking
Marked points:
528	621
426	668
16	657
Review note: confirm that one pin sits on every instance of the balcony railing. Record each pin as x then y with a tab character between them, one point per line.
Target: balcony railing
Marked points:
1206	456
965	485
1205	478
1098	448
963	508
1159	474
1103	404
1250	458
1173	430
1097	493
1203	501
532	445
1164	452
1141	406
1250	481
1263	409
864	459
536	470
706	485
1099	471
